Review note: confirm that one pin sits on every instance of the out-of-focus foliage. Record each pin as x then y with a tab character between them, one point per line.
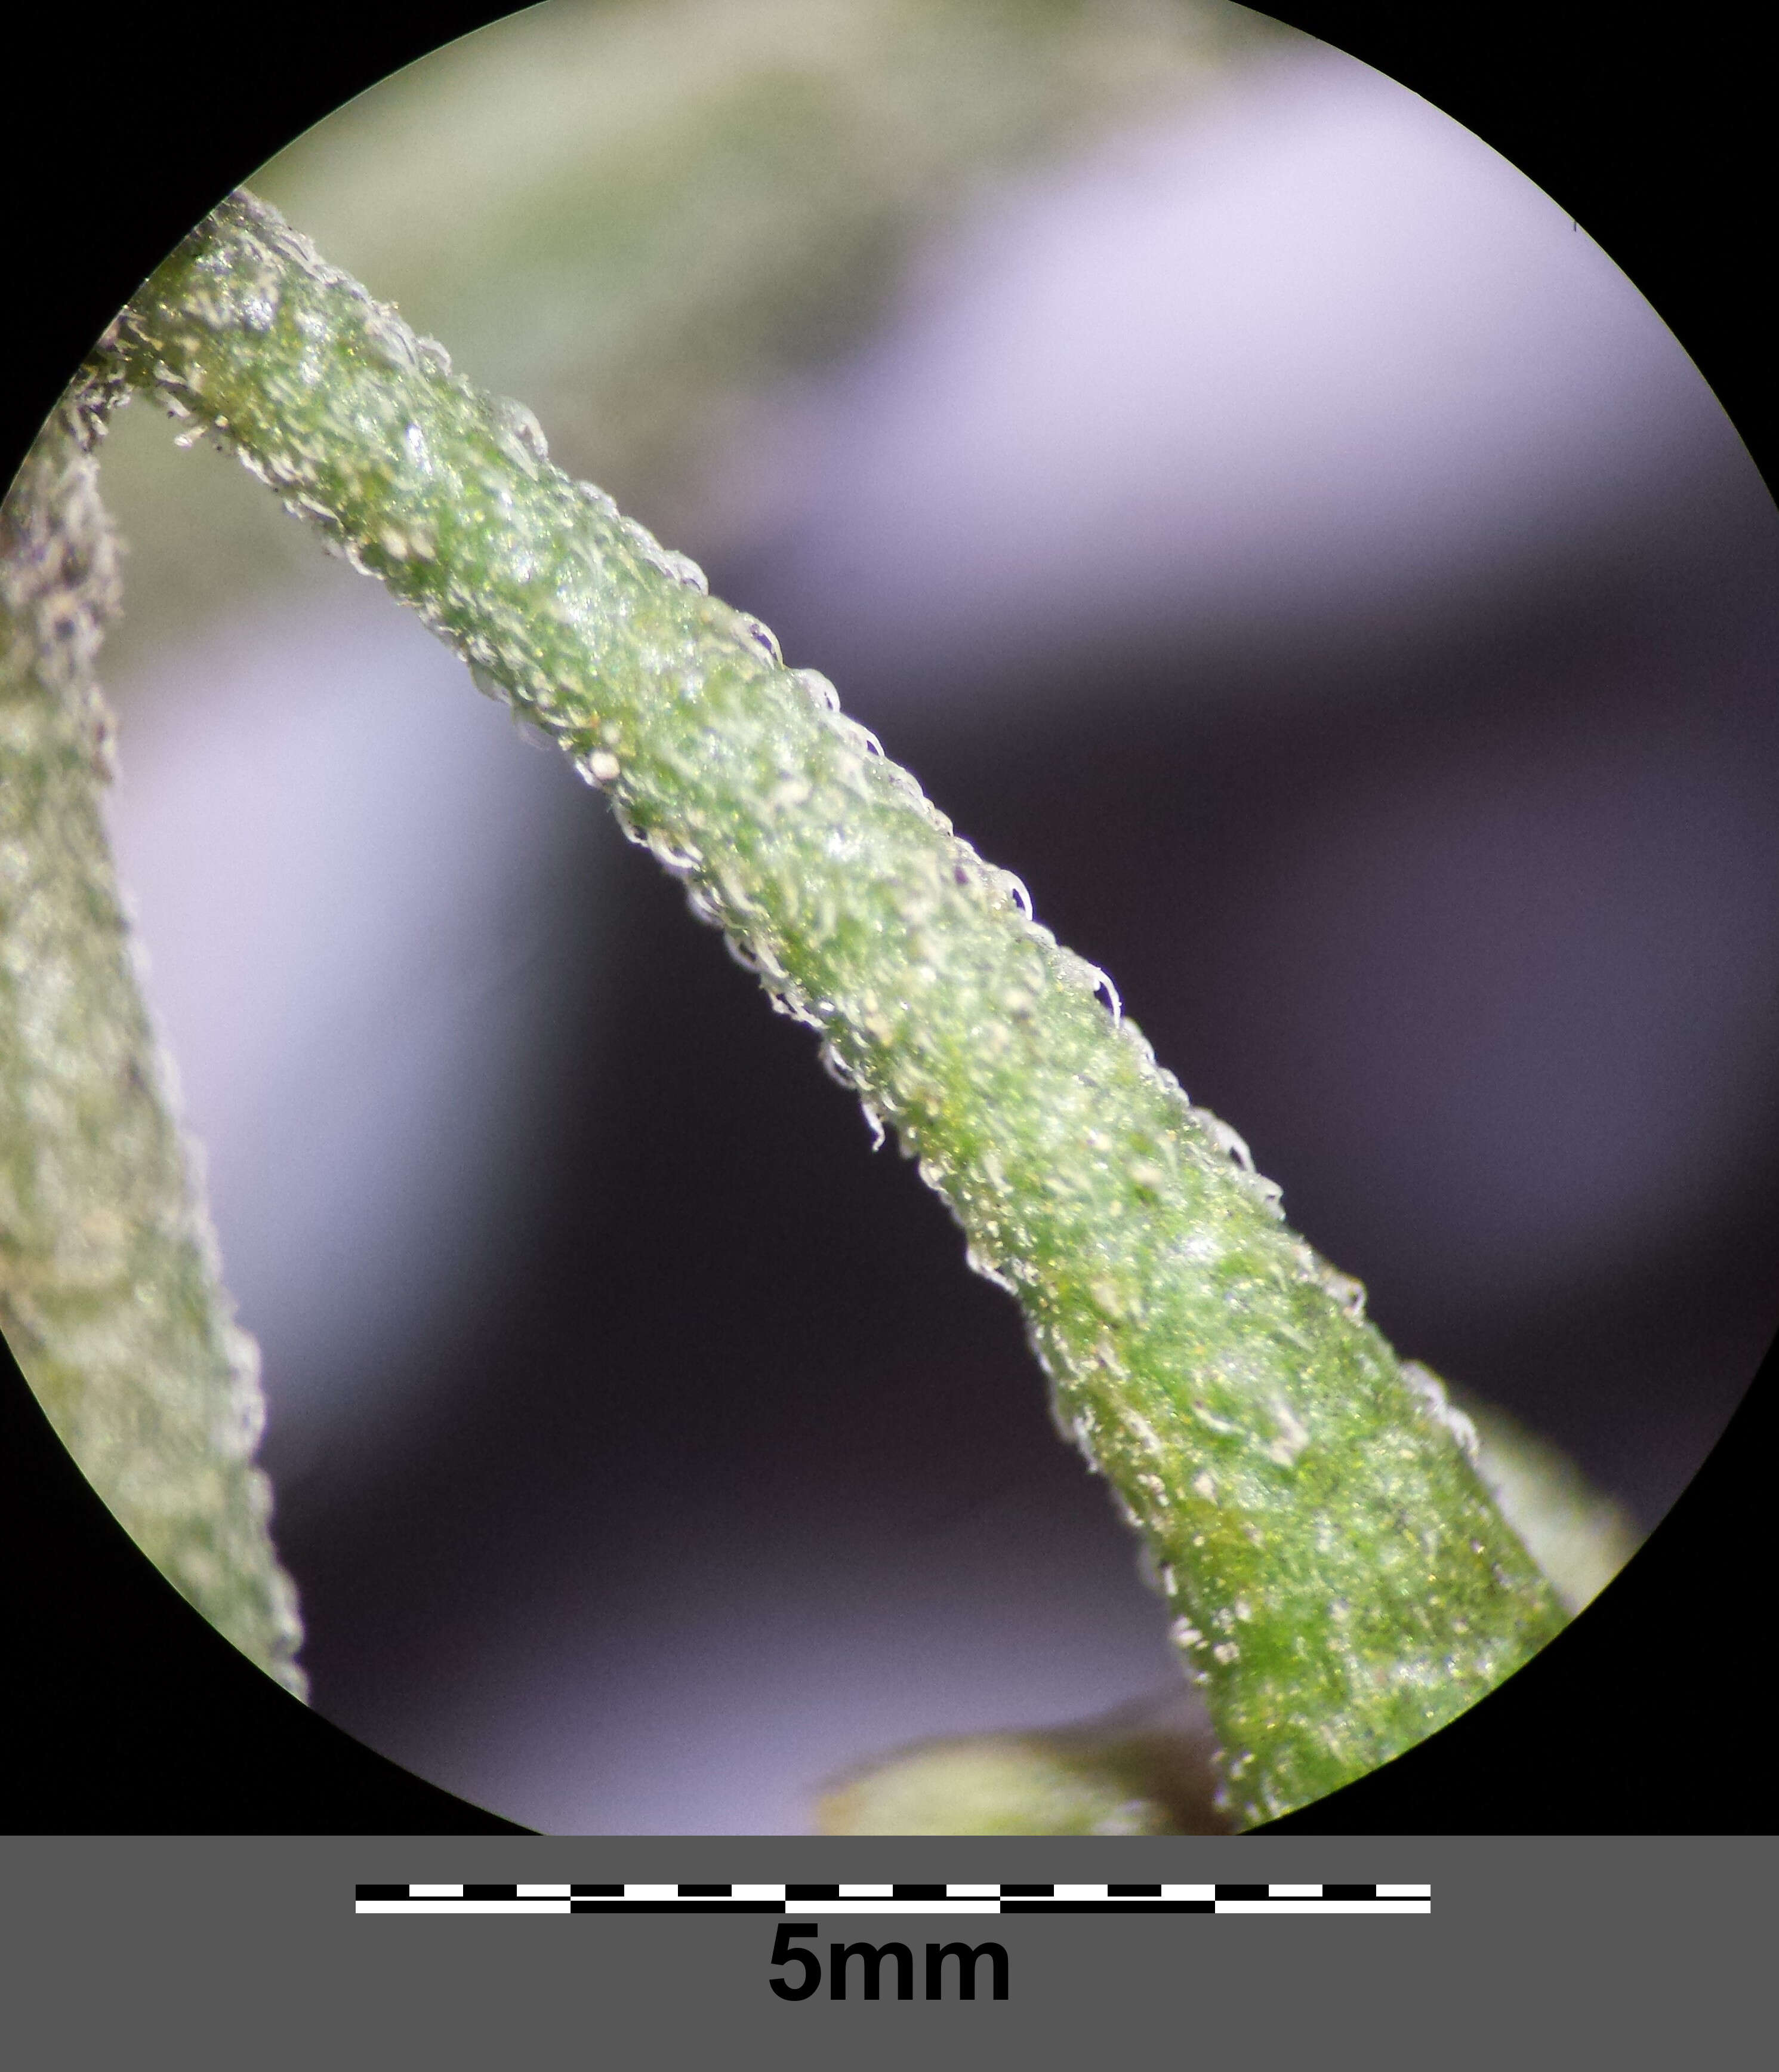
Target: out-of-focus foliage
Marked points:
1144	1769
1580	1538
643	214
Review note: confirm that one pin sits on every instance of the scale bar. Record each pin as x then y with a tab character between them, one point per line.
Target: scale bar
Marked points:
895	1899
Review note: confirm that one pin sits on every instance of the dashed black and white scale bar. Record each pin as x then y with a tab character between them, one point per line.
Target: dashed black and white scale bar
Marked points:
827	1899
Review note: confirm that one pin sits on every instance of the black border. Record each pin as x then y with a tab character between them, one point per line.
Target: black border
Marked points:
125	1712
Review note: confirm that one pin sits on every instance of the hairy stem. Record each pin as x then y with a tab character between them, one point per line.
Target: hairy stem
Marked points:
1341	1582
109	1291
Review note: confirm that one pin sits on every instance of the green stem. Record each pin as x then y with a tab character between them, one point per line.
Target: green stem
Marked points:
109	1291
1341	1582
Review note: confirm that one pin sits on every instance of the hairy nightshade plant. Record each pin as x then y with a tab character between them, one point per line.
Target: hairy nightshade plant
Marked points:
1341	1580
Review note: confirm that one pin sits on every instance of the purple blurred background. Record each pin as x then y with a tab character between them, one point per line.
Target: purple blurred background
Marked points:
1286	541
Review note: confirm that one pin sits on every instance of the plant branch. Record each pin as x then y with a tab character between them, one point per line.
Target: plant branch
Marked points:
110	1289
1340	1580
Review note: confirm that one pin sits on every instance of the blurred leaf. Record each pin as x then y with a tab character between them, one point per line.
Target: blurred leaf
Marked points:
643	216
1580	1538
1143	1769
